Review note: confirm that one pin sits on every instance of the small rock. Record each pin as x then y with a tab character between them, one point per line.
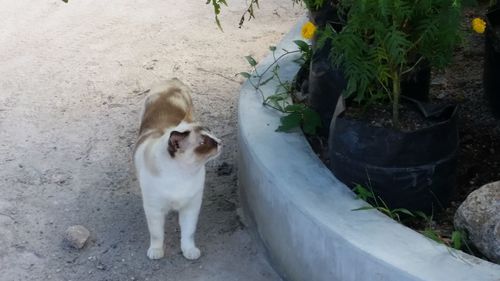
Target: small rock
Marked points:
76	236
58	178
101	266
224	169
150	65
439	81
241	217
467	139
479	216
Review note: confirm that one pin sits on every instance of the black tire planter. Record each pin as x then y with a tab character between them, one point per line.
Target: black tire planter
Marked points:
413	170
491	74
325	86
325	82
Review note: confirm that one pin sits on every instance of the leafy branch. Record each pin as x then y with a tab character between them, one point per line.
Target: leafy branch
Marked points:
249	11
217	6
296	115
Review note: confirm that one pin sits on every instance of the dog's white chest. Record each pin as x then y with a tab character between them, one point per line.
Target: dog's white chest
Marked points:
173	190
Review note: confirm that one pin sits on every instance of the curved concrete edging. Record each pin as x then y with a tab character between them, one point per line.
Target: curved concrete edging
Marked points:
304	216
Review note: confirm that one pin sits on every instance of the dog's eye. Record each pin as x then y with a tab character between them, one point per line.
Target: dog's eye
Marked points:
204	140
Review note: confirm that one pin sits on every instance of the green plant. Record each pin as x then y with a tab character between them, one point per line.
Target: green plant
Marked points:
379	204
313	5
297	114
385	40
457	240
216	4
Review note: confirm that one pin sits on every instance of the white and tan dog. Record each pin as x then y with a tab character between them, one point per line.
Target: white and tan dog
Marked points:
170	157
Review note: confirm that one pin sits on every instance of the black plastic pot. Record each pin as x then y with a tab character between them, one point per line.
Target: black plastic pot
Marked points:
325	82
491	74
413	170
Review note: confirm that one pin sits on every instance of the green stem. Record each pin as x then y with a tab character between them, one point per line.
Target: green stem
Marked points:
396	91
275	61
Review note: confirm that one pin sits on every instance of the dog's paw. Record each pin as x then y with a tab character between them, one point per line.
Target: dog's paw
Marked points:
191	253
155	253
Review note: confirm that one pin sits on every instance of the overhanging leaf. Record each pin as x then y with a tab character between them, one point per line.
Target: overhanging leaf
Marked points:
312	121
289	122
294	108
245	74
251	60
303	46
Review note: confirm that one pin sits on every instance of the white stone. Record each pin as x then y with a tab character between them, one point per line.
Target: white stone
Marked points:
479	216
76	236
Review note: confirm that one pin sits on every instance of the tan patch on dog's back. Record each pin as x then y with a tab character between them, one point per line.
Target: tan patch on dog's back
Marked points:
168	105
166	109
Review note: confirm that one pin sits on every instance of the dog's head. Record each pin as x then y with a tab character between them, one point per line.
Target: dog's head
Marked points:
191	143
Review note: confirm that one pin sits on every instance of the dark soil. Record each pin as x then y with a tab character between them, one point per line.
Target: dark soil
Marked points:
380	115
479	131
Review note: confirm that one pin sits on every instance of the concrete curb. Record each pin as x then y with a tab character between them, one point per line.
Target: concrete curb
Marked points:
303	214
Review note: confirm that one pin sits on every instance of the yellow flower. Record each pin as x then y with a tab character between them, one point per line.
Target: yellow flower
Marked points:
308	30
478	25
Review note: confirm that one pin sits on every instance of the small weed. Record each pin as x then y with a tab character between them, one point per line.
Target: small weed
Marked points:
368	195
458	239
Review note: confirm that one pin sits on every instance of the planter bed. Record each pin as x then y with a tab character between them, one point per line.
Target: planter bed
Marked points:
304	217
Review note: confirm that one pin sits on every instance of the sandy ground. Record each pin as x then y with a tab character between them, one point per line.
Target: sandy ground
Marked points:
72	80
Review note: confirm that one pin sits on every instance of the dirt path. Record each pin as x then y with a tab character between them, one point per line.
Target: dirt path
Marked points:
72	81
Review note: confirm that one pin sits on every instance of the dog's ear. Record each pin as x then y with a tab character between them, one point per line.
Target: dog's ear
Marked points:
177	142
